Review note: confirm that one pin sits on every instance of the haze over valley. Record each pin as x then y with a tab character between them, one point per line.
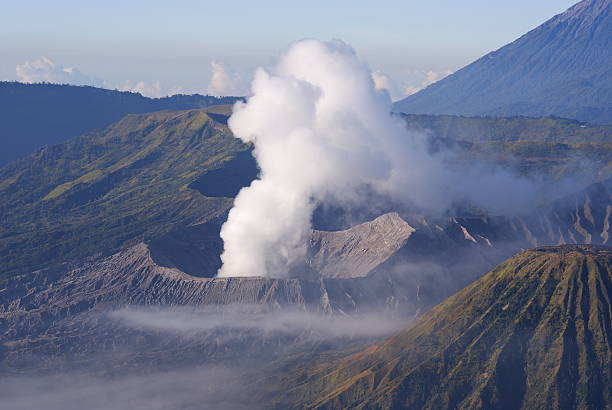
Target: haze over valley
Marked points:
300	237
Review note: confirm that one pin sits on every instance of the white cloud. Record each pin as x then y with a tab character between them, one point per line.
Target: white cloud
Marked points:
225	81
430	77
154	89
382	81
45	70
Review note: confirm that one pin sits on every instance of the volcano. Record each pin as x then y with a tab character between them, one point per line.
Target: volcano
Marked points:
561	68
533	333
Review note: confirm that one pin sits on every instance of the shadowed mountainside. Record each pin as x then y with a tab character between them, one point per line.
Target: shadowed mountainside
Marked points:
34	115
110	189
560	68
533	333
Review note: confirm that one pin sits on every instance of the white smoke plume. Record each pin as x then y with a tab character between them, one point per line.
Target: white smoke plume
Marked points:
321	132
383	82
321	129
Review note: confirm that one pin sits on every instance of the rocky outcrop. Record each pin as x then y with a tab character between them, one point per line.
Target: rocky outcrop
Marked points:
387	263
33	302
357	251
398	265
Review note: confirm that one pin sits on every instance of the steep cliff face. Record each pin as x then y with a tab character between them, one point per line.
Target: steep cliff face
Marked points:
387	263
64	317
395	266
442	255
357	251
533	333
34	302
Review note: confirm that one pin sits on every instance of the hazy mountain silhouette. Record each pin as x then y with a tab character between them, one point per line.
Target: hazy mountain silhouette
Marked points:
561	68
34	115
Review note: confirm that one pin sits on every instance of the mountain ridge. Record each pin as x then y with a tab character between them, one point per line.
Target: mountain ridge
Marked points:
559	68
533	333
108	183
63	111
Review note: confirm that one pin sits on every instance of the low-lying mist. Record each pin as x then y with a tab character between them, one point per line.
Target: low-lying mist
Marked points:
175	357
188	389
192	322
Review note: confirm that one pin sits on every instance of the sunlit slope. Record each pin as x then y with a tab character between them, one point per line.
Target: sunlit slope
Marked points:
510	129
112	188
533	333
553	147
34	115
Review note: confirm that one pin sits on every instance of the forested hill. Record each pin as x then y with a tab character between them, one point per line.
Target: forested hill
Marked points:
34	115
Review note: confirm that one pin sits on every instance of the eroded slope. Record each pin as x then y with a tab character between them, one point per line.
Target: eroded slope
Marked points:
533	333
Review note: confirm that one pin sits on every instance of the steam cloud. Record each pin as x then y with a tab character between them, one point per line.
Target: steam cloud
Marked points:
322	131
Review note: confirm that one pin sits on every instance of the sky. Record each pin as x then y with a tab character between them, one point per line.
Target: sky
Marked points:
164	47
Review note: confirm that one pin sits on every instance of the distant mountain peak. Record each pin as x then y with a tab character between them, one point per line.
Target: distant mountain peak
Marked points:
585	11
561	68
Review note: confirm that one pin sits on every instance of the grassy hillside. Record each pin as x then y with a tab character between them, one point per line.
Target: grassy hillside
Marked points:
510	129
553	160
34	115
533	333
550	147
151	173
111	188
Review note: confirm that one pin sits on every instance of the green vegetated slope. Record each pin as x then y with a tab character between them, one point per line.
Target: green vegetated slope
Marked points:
34	115
108	189
554	147
587	160
533	333
146	174
510	129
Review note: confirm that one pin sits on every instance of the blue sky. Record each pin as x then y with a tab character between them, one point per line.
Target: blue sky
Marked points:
172	43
